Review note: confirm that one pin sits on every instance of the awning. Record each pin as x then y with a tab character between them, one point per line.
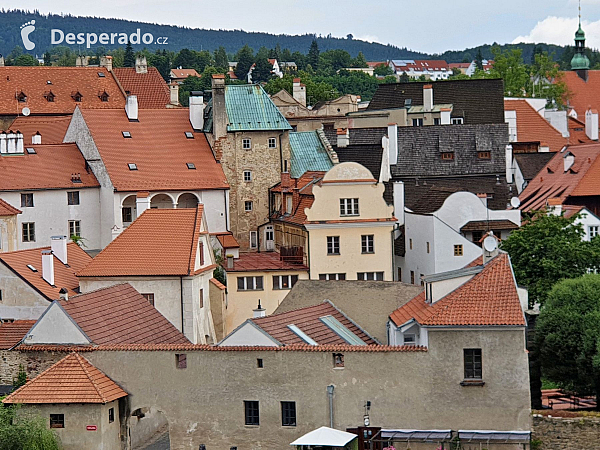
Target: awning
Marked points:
325	436
516	437
416	435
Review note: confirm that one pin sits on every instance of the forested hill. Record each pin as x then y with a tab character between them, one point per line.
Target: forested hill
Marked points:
178	37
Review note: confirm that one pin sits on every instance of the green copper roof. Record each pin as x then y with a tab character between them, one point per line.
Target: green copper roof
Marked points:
308	154
579	34
580	62
249	108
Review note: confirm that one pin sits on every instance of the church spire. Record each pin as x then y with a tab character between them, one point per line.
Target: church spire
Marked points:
580	60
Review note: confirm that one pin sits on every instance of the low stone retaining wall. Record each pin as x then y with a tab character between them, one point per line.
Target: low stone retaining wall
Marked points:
33	363
559	433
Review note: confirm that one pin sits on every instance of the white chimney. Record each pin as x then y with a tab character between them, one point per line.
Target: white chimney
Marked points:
59	247
2	142
509	164
299	92
141	66
392	133
106	61
510	117
591	124
174	91
554	206
569	160
445	116
260	311
48	266
36	138
11	142
131	108
427	97
197	111
20	146
343	137
230	261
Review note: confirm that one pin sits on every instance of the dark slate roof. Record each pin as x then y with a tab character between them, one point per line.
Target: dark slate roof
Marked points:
477	101
359	136
531	163
430	193
400	242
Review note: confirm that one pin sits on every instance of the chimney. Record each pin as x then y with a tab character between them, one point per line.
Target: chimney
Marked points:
569	160
1	61
59	247
48	266
392	133
554	206
343	137
509	164
427	97
197	110
483	198
398	189
82	61
174	91
510	117
63	294
131	108
11	142
20	146
141	66
230	261
2	142
299	92
591	124
260	311
218	108
106	61
36	138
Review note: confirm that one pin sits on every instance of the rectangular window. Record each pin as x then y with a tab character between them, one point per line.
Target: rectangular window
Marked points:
149	297
73	198
251	412
593	231
436	120
284	281
253	239
447	156
74	228
201	296
247	176
410	244
29	232
457	121
368	243
333	245
370	276
127	214
338	360
248	206
27	200
412	277
111	415
246	144
473	368
289	204
250	283
458	250
332	276
417	122
483	155
288	414
57	420
181	360
428	247
477	235
348	207
272	143
259	363
409	339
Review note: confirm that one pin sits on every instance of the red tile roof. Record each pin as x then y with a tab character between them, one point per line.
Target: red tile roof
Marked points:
303	198
184	73
6	209
218	284
263	261
308	320
150	88
490	298
11	333
120	315
227	240
159	242
51	167
583	94
553	182
424	64
532	127
73	379
577	132
66	82
459	65
158	146
64	276
52	128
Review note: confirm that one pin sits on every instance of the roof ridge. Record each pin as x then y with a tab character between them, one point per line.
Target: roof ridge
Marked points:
97	290
80	360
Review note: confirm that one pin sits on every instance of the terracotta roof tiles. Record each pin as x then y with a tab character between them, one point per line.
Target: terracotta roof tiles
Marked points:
263	261
11	333
150	88
73	379
51	128
227	240
184	73
218	284
583	94
6	209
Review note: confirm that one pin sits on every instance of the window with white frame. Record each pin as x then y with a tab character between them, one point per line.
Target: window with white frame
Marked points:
332	276
253	239
248	206
74	228
410	339
333	245
370	276
593	231
247	176
348	207
249	283
246	144
272	143
284	281
28	231
457	121
368	243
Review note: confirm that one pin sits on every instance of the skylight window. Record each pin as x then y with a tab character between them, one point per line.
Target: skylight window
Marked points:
48	82
30	150
30	267
126	134
302	335
189	135
132	166
101	75
343	332
191	166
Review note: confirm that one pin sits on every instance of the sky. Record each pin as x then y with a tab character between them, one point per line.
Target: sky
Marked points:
430	26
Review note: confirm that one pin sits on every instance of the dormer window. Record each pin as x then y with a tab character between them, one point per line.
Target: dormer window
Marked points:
447	156
126	134
457	121
483	155
132	166
103	96
49	96
21	97
77	96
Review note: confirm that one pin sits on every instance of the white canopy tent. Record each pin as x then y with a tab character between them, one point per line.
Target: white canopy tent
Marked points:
325	437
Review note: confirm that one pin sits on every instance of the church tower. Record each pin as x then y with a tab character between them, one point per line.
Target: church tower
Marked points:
580	62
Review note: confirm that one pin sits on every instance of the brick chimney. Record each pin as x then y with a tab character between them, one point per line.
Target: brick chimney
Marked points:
141	66
299	92
197	110
218	108
59	247
36	138
343	137
131	108
48	266
591	124
106	61
427	97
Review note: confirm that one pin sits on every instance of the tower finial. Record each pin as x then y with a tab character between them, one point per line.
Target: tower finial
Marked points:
579	13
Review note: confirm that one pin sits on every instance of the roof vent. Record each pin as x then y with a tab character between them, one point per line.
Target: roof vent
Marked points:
189	135
48	82
191	166
132	166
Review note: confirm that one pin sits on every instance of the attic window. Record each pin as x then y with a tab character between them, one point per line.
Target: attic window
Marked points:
126	134
101	75
21	97
77	96
49	96
191	166
30	267
189	135
483	155
132	166
103	96
30	150
448	156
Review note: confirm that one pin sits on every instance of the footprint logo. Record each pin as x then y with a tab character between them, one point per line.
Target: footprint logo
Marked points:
26	30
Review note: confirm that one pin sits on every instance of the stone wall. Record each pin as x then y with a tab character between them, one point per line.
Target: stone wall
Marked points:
557	433
33	362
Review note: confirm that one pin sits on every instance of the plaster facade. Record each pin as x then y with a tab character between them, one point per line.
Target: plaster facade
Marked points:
8	234
17	292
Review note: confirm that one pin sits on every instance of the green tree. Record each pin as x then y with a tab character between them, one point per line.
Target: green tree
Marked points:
509	66
262	70
129	59
383	70
245	59
312	58
479	60
26	60
47	58
316	91
546	249
404	78
189	84
547	81
221	60
21	379
360	61
568	335
22	430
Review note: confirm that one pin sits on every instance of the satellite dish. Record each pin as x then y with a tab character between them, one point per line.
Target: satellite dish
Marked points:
490	244
26	111
515	202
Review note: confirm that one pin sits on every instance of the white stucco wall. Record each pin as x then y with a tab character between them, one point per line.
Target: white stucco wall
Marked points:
248	334
16	292
587	219
55	327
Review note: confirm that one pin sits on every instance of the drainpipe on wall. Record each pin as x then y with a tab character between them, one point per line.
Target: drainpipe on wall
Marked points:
181	292
330	389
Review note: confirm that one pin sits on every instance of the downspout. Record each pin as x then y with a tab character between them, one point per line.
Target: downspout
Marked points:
181	292
280	154
330	389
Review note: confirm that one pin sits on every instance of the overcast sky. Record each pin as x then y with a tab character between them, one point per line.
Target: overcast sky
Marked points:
430	26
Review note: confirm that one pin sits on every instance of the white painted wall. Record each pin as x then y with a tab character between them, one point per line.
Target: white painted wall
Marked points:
247	334
588	220
55	327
